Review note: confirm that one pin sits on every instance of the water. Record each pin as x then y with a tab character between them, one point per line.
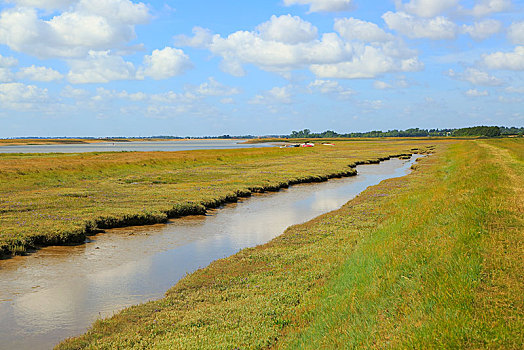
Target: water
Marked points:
141	146
59	291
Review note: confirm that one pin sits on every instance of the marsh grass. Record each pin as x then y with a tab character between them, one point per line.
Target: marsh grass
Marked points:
49	199
431	260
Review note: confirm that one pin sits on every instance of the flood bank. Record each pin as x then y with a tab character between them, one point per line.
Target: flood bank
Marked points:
21	246
59	291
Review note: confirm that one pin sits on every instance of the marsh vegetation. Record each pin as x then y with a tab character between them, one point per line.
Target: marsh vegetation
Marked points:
50	199
431	260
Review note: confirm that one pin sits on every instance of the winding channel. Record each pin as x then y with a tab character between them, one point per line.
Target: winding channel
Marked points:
58	292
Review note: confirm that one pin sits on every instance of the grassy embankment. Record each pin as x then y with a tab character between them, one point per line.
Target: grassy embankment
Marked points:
60	198
431	260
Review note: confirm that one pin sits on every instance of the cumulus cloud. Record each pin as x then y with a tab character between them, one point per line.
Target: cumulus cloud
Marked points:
71	92
330	87
100	67
368	63
323	5
380	85
214	88
287	29
88	25
476	93
515	89
516	33
437	28
286	43
6	76
476	77
165	63
482	30
201	38
356	29
277	95
18	96
250	47
506	60
44	4
487	7
35	73
7	61
426	8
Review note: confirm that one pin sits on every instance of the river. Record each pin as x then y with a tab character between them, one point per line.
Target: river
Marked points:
58	292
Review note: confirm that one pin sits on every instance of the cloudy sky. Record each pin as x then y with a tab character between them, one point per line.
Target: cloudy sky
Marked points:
203	67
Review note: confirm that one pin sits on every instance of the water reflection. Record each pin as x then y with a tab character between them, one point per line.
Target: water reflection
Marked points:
59	291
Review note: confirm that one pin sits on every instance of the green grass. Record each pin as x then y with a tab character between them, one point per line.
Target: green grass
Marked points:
431	260
50	199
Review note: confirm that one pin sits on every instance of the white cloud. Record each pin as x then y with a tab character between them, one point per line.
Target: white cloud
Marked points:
487	7
323	5
298	48
201	38
88	25
355	29
437	28
369	62
482	30
165	63
74	93
277	95
515	89
18	96
248	47
44	4
426	8
505	60
330	87
227	100
380	85
476	77
6	76
214	88
476	93
100	67
516	33
7	62
281	94
287	29
504	99
35	73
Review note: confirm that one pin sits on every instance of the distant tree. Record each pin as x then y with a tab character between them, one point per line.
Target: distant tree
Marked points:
487	131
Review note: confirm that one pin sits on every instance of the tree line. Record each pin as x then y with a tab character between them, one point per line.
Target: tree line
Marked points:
486	131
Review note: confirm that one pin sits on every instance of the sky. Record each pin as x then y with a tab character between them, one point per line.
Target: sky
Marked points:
194	68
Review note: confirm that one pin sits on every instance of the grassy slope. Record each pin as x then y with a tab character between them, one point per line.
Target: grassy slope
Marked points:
59	198
431	260
444	271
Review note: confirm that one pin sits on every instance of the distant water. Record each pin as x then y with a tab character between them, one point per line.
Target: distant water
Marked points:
133	146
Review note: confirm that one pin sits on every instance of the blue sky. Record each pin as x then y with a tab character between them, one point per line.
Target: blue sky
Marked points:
191	68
